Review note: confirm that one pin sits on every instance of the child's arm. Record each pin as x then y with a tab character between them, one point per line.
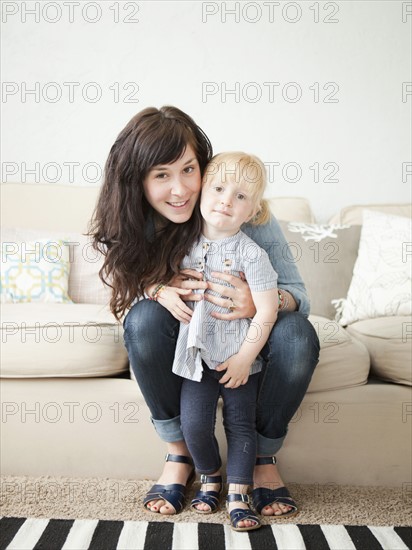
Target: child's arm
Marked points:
238	366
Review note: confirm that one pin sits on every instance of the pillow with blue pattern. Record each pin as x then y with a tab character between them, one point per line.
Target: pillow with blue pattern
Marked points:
35	271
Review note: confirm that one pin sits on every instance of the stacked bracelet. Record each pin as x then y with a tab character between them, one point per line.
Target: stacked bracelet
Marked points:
157	291
283	300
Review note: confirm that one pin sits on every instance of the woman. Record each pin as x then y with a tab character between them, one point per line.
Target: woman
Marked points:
146	219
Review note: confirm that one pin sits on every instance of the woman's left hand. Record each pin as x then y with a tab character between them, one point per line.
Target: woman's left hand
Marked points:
236	298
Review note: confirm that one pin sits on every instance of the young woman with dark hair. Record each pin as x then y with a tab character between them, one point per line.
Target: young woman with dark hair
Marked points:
146	219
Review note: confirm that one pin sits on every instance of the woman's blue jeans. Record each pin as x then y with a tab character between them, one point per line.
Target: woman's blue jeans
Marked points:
291	355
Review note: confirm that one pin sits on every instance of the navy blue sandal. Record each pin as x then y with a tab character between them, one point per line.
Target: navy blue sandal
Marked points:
240	514
263	496
211	498
174	493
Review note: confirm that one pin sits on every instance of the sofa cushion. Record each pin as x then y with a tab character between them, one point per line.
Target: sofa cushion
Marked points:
353	215
35	271
325	256
296	209
343	361
388	340
85	286
64	340
381	282
48	205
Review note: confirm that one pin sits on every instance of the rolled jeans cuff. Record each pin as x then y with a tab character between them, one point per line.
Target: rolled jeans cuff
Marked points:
268	447
168	430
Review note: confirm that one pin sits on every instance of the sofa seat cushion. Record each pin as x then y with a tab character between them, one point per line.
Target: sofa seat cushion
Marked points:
388	340
63	340
343	361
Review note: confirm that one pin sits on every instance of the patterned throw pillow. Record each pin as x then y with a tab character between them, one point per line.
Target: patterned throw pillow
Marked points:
85	286
35	271
381	282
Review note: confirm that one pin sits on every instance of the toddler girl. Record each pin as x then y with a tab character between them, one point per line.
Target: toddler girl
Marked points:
221	357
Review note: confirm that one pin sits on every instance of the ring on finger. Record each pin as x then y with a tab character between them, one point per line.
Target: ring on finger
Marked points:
232	306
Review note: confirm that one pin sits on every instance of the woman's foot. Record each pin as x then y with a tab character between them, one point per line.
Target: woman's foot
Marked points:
173	472
240	489
268	477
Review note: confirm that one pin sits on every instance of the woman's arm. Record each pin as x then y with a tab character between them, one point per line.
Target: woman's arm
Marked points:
269	236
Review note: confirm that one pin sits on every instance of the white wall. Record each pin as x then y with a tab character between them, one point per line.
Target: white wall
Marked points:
174	48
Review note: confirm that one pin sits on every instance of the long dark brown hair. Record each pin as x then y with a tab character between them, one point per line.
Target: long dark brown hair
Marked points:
119	225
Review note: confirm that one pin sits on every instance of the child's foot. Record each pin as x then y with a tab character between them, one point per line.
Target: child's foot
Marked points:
206	500
250	521
243	506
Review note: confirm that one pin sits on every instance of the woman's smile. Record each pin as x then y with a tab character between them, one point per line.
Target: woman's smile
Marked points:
180	204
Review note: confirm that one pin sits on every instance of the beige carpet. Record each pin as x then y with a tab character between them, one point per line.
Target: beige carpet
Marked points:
116	499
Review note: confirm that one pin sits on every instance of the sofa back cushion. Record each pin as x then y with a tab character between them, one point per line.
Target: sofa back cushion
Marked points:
85	286
353	215
325	256
47	206
296	209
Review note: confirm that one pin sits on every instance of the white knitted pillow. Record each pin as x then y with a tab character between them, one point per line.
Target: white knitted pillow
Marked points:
381	282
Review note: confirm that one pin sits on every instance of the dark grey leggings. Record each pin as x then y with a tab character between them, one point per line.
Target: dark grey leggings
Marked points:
198	419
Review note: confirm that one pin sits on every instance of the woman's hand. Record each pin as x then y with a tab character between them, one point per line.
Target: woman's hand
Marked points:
237	298
192	280
171	298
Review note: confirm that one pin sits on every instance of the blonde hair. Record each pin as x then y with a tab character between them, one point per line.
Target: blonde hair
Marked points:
247	170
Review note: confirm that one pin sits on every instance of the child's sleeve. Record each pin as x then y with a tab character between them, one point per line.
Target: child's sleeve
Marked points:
259	272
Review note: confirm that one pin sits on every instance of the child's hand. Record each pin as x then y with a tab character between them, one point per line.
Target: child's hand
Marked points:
237	372
170	298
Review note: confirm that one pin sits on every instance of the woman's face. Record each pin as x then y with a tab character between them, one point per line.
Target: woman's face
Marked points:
173	189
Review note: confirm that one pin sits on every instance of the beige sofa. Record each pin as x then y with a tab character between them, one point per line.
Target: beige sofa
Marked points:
69	407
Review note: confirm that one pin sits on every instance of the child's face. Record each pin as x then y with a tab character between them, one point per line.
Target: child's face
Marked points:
225	205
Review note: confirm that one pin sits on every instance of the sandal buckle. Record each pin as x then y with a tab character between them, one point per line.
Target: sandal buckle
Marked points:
203	478
245	498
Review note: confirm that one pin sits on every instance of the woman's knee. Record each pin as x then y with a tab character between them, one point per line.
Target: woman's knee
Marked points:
294	346
292	329
145	319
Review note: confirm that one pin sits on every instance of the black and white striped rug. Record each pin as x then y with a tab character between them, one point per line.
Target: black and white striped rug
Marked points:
82	534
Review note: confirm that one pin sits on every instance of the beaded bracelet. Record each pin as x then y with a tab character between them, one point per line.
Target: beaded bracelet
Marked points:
280	300
283	300
158	293
158	289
